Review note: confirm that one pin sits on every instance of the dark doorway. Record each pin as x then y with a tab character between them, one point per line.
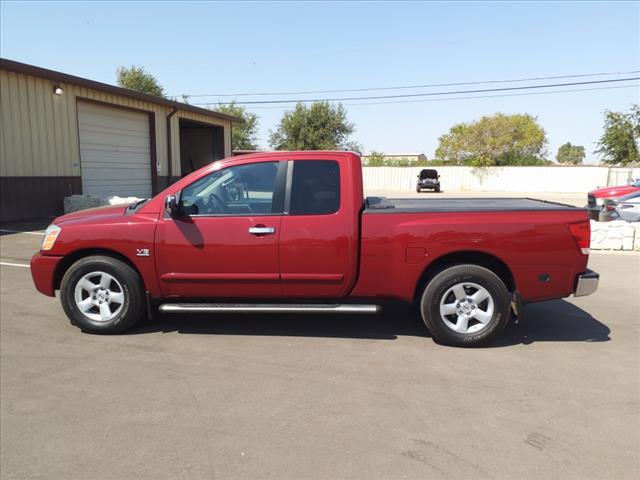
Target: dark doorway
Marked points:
200	144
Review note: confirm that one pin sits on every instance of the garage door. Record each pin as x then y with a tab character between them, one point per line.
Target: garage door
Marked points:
115	151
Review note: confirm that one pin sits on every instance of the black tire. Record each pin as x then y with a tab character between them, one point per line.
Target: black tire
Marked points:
418	190
126	281
438	189
441	286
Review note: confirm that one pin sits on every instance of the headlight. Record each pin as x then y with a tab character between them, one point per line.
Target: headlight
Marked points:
50	235
599	201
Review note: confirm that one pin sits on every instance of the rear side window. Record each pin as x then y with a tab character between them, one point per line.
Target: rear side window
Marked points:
315	187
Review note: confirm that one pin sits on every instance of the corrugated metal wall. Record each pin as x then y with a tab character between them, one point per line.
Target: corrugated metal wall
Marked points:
39	132
39	143
621	175
498	179
35	128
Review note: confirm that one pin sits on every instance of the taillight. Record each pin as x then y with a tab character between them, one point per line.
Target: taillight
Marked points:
581	233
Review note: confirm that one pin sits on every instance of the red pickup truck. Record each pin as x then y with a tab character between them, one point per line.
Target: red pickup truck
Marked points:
291	232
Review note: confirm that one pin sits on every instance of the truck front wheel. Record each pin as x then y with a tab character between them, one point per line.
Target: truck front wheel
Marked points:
465	306
102	294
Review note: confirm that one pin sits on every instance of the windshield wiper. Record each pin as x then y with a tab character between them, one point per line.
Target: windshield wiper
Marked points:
133	206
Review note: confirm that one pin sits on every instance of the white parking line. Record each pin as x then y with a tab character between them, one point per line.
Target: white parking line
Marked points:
21	231
14	264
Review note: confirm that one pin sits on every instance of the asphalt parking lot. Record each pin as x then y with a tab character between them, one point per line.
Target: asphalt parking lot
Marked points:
295	397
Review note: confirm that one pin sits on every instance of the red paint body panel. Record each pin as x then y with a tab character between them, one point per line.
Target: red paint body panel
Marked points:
317	256
348	253
530	244
208	257
614	192
42	272
319	253
108	229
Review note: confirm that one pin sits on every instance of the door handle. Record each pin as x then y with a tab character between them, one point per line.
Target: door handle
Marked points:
262	230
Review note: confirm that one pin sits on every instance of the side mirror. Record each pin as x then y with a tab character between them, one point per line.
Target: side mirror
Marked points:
171	205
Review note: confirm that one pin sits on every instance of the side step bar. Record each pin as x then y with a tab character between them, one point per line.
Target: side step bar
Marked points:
266	308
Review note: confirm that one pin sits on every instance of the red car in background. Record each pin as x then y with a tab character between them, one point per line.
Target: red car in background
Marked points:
596	198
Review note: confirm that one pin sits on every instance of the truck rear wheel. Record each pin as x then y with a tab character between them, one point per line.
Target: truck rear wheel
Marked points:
465	306
102	294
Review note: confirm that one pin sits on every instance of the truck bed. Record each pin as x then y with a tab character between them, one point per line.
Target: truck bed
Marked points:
382	205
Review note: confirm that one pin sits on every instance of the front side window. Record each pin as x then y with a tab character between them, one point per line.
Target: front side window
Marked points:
315	187
239	190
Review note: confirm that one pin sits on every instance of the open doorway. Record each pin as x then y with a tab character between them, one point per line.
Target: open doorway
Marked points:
200	144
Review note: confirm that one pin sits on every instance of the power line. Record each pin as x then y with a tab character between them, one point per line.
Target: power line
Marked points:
405	87
429	94
463	98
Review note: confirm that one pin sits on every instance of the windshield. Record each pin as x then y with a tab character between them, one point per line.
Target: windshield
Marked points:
629	196
428	174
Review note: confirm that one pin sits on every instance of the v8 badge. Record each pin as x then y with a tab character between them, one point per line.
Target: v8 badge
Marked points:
142	252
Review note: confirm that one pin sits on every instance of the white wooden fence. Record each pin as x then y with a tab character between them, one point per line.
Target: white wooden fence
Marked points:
502	179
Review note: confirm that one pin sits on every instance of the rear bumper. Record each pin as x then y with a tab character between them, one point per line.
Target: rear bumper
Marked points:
586	283
43	268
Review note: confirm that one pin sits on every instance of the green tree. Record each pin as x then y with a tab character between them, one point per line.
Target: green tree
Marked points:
422	161
376	159
319	126
400	162
244	136
618	144
498	139
571	154
138	79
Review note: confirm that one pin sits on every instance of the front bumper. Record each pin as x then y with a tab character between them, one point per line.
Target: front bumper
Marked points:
43	268
586	283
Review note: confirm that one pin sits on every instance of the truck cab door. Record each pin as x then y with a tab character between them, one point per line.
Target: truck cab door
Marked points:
319	234
223	241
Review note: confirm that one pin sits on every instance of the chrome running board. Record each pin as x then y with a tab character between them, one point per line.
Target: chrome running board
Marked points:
267	308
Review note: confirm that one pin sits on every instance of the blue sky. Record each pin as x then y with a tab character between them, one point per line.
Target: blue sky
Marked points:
217	47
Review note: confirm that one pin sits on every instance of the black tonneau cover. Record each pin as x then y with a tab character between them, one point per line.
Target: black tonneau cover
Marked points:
438	205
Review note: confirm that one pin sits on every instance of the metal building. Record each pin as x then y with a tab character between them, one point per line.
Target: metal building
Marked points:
62	135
